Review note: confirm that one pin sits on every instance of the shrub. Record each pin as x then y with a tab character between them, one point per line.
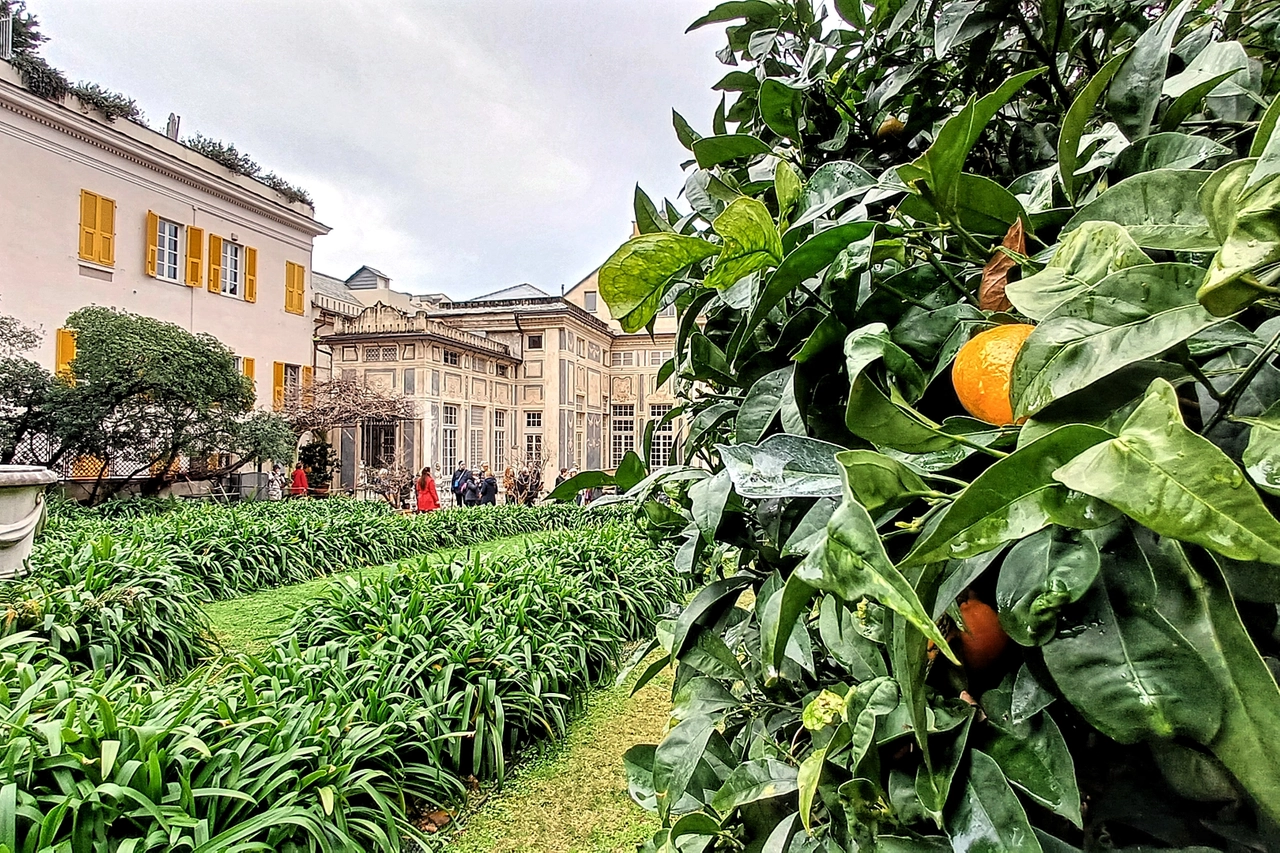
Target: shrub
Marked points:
330	738
1051	632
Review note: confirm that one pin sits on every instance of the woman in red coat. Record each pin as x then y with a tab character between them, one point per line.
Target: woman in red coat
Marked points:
300	486
428	497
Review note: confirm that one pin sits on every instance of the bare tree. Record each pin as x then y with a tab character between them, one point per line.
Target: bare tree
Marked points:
344	402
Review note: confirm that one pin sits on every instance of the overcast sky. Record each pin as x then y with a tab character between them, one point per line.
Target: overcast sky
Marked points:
456	146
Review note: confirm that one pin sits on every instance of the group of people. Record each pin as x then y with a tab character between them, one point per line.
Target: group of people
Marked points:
297	485
474	488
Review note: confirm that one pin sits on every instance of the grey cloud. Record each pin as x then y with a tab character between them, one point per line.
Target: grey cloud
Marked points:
457	146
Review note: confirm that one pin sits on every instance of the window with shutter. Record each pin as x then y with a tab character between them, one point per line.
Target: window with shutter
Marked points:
295	287
215	263
246	365
195	252
97	228
65	346
250	274
153	242
277	385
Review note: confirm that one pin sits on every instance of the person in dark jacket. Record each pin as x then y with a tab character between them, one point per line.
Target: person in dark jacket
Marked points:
522	485
470	489
535	485
488	487
455	485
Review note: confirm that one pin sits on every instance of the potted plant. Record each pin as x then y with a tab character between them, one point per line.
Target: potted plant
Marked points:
320	461
21	511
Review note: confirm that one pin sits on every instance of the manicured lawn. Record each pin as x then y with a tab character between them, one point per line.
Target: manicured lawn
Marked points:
572	798
249	624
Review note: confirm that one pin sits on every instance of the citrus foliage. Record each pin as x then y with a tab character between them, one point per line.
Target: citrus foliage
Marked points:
1052	635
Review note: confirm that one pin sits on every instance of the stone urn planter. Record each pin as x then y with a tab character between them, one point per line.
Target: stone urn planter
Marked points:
21	511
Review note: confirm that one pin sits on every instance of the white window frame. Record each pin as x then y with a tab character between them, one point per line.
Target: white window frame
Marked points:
664	436
530	418
529	342
590	301
451	358
232	283
449	438
169	258
622	432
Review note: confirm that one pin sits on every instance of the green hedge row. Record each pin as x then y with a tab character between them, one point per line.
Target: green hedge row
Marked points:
125	586
382	698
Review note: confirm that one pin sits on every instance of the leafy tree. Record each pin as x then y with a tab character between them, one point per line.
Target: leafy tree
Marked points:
141	396
27	390
1056	633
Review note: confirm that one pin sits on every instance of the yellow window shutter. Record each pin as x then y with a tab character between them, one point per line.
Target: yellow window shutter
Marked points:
277	385
88	225
153	228
106	232
250	274
215	263
195	254
308	375
65	351
288	286
295	301
246	365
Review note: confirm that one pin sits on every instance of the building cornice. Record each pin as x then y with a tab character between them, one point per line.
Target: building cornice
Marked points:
180	165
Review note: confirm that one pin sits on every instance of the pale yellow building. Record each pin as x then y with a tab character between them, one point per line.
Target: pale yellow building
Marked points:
514	375
112	213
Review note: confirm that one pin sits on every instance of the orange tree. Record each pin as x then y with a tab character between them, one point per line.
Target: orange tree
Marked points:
1056	631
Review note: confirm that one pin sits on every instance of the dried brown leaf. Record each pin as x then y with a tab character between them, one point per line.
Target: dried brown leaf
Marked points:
995	275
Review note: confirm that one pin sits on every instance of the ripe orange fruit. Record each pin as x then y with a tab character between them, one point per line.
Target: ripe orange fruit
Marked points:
983	640
890	128
982	371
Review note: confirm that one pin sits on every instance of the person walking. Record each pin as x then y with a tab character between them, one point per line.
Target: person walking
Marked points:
428	497
455	485
509	484
488	487
275	483
300	487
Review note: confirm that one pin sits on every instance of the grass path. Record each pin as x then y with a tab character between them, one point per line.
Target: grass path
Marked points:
250	623
572	797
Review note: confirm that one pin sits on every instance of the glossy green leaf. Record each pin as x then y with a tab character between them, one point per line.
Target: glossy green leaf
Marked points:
702	696
852	563
981	206
755	780
1262	455
783	466
829	185
781	107
707	606
1133	314
686	134
714	150
946	30
940	166
761	406
1077	117
1042	574
1201	604
878	481
675	759
988	817
644	266
933	785
1188	101
648	220
1160	210
802	263
1167	151
1124	667
756	10
786	187
1033	756
1084	257
708	498
860	657
779	619
1030	697
751	242
1176	482
1137	86
1013	498
1247	267
865	704
1266	132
